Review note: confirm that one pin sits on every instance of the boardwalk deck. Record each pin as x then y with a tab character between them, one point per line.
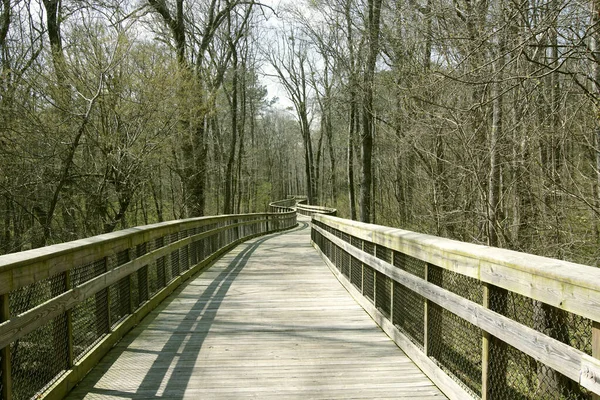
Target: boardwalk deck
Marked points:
267	321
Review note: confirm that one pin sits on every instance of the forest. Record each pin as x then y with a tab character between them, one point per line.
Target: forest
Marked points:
475	120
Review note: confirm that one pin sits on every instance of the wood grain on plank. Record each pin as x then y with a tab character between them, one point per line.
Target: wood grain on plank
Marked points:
267	321
566	285
565	359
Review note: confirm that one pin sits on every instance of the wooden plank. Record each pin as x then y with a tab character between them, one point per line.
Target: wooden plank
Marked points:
446	384
569	361
71	378
569	286
268	320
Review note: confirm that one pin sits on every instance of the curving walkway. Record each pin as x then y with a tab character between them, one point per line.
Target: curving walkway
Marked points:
269	321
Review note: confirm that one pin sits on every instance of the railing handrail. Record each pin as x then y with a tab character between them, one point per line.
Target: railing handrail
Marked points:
118	240
566	286
298	203
285	205
580	283
317	209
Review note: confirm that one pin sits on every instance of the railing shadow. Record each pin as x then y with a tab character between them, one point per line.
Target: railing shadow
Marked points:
190	343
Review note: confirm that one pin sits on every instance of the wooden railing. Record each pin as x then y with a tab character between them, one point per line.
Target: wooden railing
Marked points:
279	206
308	210
481	322
298	203
63	307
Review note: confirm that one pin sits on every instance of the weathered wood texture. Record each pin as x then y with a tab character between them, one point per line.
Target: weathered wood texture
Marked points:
575	288
46	286
267	321
281	206
308	210
565	285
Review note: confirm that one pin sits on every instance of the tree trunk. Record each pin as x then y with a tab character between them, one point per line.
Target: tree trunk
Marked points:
229	184
595	51
366	153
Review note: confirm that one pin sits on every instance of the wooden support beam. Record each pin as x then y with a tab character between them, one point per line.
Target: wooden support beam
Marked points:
485	350
427	318
596	347
69	322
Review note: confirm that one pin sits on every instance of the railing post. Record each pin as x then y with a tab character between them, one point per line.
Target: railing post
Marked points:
485	349
426	319
5	352
69	316
595	347
392	289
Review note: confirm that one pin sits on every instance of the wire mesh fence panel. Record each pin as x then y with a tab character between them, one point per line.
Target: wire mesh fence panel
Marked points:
152	279
464	286
345	257
516	375
356	273
368	282
194	253
201	249
410	264
120	301
383	293
120	292
33	295
409	313
454	343
523	376
184	258
175	268
142	278
134	292
142	274
168	261
368	275
39	358
383	285
161	279
90	317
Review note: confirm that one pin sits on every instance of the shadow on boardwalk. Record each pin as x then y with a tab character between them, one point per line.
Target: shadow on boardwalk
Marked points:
268	321
202	313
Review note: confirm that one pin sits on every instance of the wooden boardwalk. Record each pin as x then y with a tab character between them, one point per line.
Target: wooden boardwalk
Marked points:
269	321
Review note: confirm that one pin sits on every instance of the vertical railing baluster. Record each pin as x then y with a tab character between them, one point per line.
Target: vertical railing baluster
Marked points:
595	347
426	319
485	349
392	283
69	317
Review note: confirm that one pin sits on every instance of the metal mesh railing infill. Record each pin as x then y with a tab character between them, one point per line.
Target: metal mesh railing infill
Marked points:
118	275
470	356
